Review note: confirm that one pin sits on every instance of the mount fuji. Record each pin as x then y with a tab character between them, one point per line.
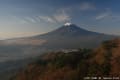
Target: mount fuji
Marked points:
68	36
72	36
17	52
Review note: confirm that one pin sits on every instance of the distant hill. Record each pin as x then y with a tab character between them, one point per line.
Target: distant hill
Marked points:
76	65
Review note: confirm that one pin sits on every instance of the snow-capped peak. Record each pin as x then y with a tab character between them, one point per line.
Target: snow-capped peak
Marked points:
68	24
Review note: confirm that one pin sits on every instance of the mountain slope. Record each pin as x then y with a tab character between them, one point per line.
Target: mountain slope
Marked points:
72	36
109	55
69	31
55	66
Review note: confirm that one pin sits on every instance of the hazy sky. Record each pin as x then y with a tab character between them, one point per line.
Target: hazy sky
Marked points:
30	17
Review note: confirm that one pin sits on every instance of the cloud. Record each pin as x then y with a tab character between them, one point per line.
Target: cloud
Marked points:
87	6
47	19
24	20
30	19
59	17
104	15
18	20
108	16
62	16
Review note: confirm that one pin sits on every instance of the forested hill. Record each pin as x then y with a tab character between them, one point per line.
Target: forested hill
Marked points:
75	65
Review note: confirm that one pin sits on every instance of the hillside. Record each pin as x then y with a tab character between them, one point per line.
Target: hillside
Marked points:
75	65
56	66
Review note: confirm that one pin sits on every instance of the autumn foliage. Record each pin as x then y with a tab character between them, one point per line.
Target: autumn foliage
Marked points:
103	61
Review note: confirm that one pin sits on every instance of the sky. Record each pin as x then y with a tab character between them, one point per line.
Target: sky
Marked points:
21	18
